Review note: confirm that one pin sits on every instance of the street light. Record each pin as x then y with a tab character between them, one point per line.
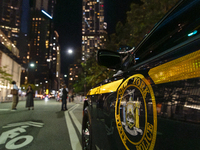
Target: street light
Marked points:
70	51
32	65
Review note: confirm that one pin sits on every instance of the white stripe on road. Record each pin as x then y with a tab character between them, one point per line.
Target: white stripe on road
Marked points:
76	145
31	123
4	109
76	122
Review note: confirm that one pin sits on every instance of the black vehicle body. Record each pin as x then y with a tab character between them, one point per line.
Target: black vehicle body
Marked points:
155	102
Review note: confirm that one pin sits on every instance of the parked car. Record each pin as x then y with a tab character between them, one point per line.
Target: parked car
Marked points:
153	102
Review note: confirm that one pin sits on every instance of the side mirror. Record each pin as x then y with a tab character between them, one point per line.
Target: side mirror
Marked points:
109	59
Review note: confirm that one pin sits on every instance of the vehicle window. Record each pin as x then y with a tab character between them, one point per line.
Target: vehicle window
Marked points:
181	26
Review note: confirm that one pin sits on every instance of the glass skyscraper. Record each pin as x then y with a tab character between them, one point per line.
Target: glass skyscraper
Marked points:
10	18
93	26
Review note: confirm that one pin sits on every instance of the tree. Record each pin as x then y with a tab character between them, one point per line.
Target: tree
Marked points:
4	75
91	74
140	20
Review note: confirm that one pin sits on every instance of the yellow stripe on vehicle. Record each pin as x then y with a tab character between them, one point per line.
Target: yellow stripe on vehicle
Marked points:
106	88
185	67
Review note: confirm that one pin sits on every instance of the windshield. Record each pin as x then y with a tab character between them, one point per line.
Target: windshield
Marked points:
171	31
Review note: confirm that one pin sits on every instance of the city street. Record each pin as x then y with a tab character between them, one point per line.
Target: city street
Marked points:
44	128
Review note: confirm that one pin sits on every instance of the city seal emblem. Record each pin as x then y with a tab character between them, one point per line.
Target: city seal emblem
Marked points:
135	113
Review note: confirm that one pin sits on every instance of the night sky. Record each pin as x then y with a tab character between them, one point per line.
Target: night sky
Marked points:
68	22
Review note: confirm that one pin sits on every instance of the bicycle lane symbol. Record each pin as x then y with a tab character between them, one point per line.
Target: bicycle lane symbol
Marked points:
17	140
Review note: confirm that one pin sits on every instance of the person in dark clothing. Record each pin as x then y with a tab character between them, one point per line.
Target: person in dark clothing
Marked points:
15	96
72	97
29	98
64	98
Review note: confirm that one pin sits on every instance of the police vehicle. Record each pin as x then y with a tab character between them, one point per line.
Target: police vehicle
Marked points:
153	102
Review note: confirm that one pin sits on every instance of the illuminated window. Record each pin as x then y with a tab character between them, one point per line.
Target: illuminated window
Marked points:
36	62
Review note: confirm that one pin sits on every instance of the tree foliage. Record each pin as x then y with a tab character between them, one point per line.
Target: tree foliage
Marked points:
91	74
4	76
140	20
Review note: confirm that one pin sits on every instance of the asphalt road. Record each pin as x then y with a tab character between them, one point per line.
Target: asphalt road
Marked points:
44	128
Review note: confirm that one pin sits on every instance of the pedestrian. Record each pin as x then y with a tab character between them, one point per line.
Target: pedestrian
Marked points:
14	92
29	98
72	97
64	98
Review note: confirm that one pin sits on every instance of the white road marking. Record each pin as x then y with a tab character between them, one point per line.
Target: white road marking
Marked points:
4	109
30	123
13	133
76	145
76	122
11	144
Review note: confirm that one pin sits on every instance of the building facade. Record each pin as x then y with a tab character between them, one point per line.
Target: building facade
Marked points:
10	19
93	26
9	62
74	71
55	63
41	55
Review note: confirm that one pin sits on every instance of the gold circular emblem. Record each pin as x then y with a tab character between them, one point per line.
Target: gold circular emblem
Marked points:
136	114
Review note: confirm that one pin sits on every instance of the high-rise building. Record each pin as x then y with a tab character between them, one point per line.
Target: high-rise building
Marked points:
41	43
10	24
93	26
55	63
74	72
10	18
